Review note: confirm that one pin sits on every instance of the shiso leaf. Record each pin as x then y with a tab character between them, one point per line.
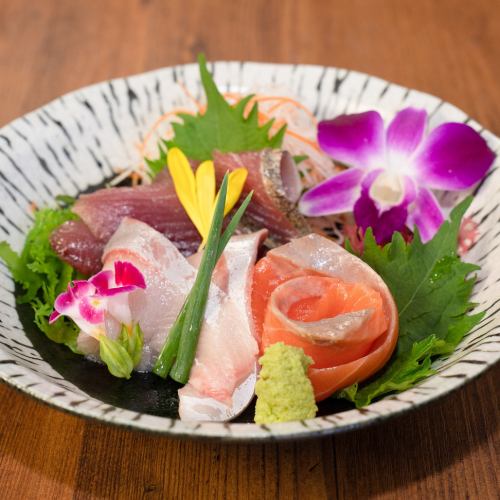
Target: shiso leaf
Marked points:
432	289
158	164
222	127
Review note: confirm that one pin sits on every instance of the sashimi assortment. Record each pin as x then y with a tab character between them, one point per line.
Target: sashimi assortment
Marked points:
215	266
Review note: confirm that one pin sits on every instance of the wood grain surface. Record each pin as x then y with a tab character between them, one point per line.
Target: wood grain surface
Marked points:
450	48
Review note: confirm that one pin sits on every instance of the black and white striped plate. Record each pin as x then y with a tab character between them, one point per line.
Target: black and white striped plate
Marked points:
74	143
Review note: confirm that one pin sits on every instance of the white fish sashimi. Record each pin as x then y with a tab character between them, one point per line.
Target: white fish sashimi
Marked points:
168	275
223	375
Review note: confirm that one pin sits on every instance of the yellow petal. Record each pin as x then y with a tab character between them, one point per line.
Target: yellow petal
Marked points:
185	185
235	185
205	191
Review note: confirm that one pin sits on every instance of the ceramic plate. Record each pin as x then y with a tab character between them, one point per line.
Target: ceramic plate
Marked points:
72	145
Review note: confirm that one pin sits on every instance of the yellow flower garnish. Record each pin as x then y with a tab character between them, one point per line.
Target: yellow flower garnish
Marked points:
196	191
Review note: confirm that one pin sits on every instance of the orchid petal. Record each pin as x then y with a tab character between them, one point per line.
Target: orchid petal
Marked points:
64	301
403	136
53	317
127	274
383	221
426	214
335	195
81	288
92	310
383	224
118	306
356	140
102	280
112	292
454	156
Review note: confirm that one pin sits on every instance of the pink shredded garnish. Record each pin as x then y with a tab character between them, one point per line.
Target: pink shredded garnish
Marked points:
467	235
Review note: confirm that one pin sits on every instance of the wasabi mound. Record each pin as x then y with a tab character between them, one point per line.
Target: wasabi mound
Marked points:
284	392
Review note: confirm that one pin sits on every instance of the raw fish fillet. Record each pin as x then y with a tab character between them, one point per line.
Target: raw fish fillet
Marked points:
272	174
155	204
168	275
313	294
80	243
227	350
274	178
75	244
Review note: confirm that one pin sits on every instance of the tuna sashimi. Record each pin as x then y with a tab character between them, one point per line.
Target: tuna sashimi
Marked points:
272	175
313	294
75	244
81	243
223	374
274	178
156	204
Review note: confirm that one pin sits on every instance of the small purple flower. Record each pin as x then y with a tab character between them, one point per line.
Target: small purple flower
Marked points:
393	171
87	301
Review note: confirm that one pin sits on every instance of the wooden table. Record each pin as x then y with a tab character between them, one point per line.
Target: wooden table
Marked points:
450	48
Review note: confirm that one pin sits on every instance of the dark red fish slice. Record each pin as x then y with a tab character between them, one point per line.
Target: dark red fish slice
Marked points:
273	176
81	244
76	245
157	205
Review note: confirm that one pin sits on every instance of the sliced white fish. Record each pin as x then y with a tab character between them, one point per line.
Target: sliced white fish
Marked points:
222	379
168	275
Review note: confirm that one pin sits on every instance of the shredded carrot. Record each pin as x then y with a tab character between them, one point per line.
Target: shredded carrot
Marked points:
190	96
135	178
139	173
158	122
301	138
33	207
286	100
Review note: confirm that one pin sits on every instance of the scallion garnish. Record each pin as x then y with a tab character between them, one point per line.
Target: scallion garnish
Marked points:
178	352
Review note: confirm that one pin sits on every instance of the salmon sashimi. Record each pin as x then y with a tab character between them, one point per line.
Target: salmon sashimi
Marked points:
313	294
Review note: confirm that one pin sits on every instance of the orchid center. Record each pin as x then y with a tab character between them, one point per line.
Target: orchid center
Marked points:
387	189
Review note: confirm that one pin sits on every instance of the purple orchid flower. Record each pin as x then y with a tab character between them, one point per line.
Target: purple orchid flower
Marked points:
393	172
87	301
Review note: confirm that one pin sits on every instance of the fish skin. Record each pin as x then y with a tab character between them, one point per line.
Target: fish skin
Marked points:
273	204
